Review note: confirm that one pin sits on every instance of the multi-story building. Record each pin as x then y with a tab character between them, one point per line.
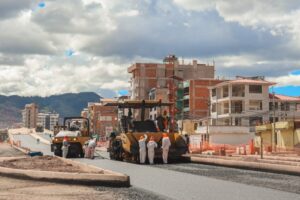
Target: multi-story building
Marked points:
166	75
196	98
146	76
236	106
158	94
103	119
85	113
193	103
29	115
48	120
284	107
240	102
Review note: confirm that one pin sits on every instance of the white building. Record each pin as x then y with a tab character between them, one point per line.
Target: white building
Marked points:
236	106
48	120
285	107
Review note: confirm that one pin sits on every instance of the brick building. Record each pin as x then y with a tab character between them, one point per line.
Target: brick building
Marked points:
146	76
165	76
196	98
103	119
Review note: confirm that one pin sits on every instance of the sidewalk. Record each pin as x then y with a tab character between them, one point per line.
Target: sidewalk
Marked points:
286	165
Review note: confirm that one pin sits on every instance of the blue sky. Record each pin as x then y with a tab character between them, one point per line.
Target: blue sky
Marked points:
287	90
87	45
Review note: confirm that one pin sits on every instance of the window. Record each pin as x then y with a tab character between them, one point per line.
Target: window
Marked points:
186	91
236	106
226	122
271	106
213	92
238	90
285	106
237	121
271	119
255	89
226	108
195	126
186	103
253	121
225	91
214	108
255	105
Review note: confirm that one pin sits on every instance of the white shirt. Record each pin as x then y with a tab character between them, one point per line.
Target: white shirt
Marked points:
166	143
92	144
142	142
152	145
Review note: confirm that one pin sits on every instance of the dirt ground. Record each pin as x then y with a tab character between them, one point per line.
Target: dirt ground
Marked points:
7	151
16	189
41	163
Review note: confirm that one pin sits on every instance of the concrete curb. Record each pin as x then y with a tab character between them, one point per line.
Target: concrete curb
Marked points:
284	169
107	178
16	147
20	149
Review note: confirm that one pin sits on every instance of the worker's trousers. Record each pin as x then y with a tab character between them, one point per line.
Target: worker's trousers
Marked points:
92	151
65	151
165	153
87	152
151	156
142	155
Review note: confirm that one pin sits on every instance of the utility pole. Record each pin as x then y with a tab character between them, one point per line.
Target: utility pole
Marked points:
273	129
207	119
261	147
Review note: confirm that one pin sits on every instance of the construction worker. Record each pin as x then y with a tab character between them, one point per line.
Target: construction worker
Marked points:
65	147
142	145
86	149
165	147
91	146
151	153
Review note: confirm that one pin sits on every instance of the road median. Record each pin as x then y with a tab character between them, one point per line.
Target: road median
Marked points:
80	174
258	165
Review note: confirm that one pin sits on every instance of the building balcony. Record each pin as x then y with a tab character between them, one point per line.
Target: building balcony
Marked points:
284	125
264	127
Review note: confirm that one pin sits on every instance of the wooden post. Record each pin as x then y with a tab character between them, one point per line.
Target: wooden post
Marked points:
261	148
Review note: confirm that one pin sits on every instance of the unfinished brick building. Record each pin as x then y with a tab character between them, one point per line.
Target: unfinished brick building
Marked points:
146	76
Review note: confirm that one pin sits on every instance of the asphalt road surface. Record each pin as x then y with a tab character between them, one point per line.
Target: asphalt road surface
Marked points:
45	136
171	181
30	142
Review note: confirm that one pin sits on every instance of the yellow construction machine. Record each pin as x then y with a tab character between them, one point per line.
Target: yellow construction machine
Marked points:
124	145
76	129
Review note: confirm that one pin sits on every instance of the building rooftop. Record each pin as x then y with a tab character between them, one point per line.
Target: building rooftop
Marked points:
284	98
245	81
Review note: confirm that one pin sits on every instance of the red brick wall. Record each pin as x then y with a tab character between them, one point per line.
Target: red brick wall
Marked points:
199	101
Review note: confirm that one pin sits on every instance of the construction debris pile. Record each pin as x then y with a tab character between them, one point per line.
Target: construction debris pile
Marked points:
42	163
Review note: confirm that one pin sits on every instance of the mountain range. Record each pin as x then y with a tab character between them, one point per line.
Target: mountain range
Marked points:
69	104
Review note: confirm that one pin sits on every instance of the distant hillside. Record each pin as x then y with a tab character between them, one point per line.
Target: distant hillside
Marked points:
69	104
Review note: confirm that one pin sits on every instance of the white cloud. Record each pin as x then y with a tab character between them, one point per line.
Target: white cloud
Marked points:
197	5
244	38
290	79
278	17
